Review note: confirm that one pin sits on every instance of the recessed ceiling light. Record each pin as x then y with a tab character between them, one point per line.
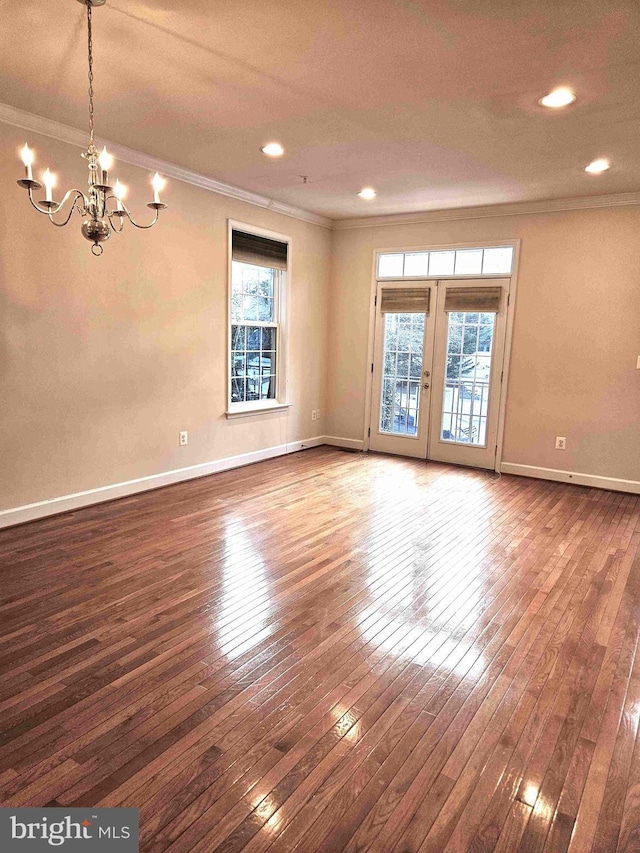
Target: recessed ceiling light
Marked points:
273	149
367	193
561	97
597	166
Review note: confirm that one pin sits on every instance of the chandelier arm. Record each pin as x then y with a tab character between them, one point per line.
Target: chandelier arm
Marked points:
117	223
74	206
107	199
142	227
35	205
54	207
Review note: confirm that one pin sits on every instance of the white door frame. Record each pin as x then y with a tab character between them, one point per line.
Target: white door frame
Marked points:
513	275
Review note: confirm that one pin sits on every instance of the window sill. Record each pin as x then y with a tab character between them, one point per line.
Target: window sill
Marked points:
245	410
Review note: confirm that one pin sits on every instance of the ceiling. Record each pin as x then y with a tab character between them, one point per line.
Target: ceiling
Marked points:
432	102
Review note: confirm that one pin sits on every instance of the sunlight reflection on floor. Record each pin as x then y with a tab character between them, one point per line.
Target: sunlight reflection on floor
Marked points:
246	597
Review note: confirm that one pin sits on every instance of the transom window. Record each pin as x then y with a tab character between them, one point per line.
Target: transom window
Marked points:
450	263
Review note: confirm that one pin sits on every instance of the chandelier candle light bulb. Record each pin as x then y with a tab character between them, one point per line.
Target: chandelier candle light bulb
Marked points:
106	162
49	181
158	185
119	193
27	159
101	206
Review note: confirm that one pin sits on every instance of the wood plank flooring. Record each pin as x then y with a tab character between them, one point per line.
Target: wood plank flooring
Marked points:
332	652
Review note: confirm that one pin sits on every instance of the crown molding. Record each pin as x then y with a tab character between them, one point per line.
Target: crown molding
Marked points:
523	208
72	136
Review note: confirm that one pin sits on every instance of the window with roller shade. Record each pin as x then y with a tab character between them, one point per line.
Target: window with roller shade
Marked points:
257	292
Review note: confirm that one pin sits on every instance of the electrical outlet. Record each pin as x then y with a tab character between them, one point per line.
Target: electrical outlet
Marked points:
561	442
317	414
314	414
184	439
638	363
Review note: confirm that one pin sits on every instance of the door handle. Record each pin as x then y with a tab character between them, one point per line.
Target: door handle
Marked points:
427	373
426	385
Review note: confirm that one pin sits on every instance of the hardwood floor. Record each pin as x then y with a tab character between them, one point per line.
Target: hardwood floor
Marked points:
332	652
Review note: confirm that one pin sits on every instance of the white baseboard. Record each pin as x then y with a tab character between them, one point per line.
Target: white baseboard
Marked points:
593	480
306	444
31	512
65	503
349	443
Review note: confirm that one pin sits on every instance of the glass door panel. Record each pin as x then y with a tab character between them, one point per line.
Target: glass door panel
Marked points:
401	377
465	401
402	373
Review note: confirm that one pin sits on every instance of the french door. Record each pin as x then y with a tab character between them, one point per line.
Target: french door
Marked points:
437	370
404	338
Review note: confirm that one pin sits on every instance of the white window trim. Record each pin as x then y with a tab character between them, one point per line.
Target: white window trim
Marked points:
281	402
245	410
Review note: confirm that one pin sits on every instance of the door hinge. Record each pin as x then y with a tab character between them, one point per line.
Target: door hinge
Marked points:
508	299
369	432
372	368
375	300
501	375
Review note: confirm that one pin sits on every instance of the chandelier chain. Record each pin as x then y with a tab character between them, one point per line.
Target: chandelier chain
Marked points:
90	48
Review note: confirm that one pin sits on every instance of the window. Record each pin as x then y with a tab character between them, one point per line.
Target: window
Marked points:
257	292
476	262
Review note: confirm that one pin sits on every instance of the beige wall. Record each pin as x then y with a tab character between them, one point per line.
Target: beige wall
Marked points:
575	342
104	360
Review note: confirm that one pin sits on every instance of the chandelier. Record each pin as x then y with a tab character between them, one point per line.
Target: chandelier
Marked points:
102	207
